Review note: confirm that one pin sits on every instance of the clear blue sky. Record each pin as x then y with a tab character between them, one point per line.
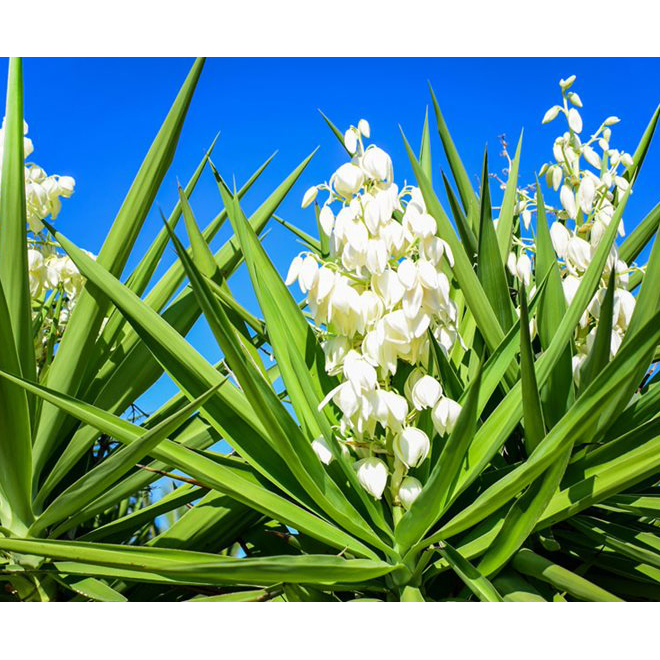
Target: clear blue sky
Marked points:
95	118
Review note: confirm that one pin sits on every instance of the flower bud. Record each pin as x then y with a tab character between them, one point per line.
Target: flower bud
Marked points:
409	489
591	156
372	474
565	84
363	127
351	140
575	99
411	446
551	114
309	196
557	176
611	120
627	160
574	120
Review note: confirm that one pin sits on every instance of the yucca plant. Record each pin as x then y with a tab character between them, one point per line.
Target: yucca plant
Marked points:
445	418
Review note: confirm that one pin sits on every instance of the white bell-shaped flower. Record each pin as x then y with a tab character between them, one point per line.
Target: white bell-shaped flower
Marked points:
426	392
444	415
335	349
294	270
348	179
585	194
559	236
309	270
377	164
411	446
65	186
388	286
372	474
409	490
578	253
359	372
567	199
326	220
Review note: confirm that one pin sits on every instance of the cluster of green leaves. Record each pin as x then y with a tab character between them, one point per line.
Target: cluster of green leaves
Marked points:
542	491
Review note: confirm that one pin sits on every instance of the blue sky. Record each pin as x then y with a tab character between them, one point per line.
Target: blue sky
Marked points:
95	119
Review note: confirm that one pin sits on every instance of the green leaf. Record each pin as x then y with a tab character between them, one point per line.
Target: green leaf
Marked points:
311	242
599	355
91	588
213	523
462	224
122	529
640	153
479	585
532	413
187	567
505	223
552	307
338	134
490	266
609	470
529	563
514	588
461	177
13	237
229	411
523	516
639	546
425	149
638	238
98	479
15	439
133	369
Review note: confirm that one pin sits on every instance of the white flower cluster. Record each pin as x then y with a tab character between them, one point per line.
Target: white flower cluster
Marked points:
377	295
588	198
47	271
42	192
